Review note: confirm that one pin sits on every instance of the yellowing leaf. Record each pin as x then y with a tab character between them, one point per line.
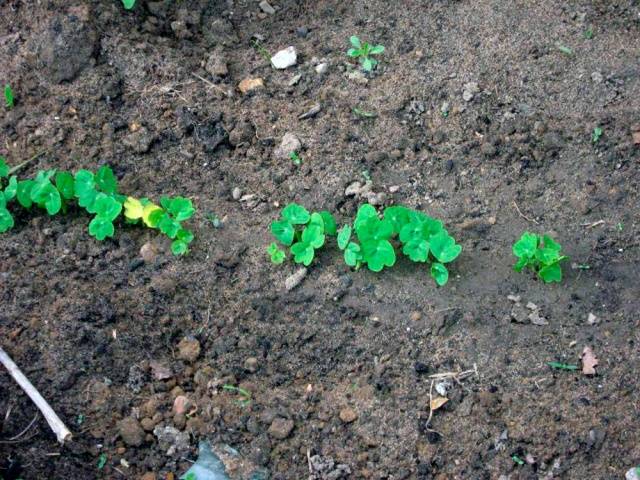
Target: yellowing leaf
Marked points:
147	212
133	209
438	402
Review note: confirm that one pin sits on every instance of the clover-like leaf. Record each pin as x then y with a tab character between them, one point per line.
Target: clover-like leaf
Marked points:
521	263
6	220
133	209
551	273
179	247
378	254
23	193
277	255
417	249
365	212
302	253
367	63
12	189
296	214
283	231
444	247
344	236
330	227
168	225
152	214
312	235
185	236
352	254
526	246
179	207
106	180
101	228
84	187
65	185
398	216
107	207
439	273
355	41
44	194
4	168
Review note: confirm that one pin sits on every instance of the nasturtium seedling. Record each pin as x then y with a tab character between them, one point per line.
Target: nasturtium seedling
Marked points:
97	194
541	254
277	255
363	51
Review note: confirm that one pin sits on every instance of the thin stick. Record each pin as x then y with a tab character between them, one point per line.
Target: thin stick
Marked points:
523	215
58	427
13	170
211	84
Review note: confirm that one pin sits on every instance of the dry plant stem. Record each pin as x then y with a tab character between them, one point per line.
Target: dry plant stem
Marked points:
13	170
62	432
523	215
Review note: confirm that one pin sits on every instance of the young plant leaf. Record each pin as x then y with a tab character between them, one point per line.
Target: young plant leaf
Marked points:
367	64
378	254
352	254
330	227
65	185
551	273
344	236
106	180
302	253
101	228
444	247
277	255
8	96
526	246
296	214
416	249
12	188
179	207
4	168
378	49
283	231
24	193
179	247
44	194
6	219
355	41
439	273
128	4
133	209
106	207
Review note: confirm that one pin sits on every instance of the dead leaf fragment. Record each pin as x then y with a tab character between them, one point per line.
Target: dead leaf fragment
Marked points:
438	402
635	134
160	371
589	361
249	84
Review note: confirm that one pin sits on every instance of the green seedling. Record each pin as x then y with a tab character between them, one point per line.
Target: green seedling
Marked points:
619	226
302	231
98	194
562	366
362	113
245	395
277	255
80	419
565	50
541	254
588	33
596	134
261	50
363	52
295	158
366	175
213	218
584	267
517	460
102	461
128	4
8	96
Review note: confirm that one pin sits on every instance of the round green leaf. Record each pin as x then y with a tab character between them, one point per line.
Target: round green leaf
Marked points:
439	273
106	180
551	273
378	254
185	236
168	226
47	196
444	247
367	64
526	246
302	253
365	212
283	231
312	235
416	249
107	207
24	193
12	189
344	236
398	216
6	220
355	41
277	255
352	254
179	247
352	52
101	228
65	185
181	208
330	227
296	214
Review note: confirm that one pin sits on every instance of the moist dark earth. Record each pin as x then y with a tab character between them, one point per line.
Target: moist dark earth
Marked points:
338	368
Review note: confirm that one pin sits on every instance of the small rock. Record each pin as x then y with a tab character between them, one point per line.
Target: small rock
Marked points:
293	280
537	319
243	132
421	368
285	58
348	415
181	404
358	77
443	387
251	364
236	193
139	141
131	432
302	32
514	298
415	316
280	428
469	90
148	252
267	8
217	65
592	319
171	440
250	84
321	68
189	349
147	424
294	80
444	108
180	421
532	306
597	77
394	188
289	144
376	199
353	189
160	371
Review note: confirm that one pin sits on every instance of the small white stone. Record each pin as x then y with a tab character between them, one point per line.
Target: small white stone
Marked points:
289	144
321	68
592	319
236	193
266	7
284	58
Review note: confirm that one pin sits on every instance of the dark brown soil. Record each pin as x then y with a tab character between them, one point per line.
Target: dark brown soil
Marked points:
94	326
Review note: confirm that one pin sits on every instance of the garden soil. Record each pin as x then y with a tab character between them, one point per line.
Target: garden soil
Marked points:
480	113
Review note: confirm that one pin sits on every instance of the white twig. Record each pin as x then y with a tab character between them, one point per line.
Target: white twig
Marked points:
62	432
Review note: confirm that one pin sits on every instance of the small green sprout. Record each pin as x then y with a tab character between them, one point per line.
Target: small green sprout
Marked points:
584	267
588	33
102	461
363	51
362	113
565	50
366	175
261	50
128	4
596	134
80	419
517	460
213	218
8	96
277	255
191	476
245	395
295	158
562	366
302	231
541	254
98	194
619	226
